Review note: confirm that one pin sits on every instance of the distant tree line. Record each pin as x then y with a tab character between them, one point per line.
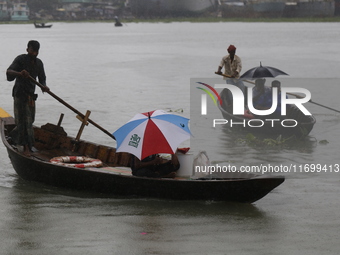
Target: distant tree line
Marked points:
37	5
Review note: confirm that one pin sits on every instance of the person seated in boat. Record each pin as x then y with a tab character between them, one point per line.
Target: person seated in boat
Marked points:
262	96
262	99
154	166
232	65
118	24
277	84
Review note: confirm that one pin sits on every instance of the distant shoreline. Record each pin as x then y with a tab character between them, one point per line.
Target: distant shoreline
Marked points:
192	20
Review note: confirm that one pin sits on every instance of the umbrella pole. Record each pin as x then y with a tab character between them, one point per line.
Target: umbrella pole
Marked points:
72	108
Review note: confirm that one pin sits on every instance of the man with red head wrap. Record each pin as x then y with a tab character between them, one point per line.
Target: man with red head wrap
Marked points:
231	48
232	63
232	67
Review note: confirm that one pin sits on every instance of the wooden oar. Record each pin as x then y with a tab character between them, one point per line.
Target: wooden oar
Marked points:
310	101
228	76
71	108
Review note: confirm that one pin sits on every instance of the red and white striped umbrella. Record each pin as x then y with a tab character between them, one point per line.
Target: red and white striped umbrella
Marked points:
152	133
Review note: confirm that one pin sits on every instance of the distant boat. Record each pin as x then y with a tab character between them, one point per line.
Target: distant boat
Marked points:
42	25
20	12
118	23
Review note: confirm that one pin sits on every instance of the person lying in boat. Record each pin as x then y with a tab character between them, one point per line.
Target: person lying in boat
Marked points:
154	166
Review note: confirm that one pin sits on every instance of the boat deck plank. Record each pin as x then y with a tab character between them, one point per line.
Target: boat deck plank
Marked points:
115	170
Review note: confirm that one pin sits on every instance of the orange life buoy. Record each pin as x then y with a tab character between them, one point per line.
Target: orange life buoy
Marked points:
77	161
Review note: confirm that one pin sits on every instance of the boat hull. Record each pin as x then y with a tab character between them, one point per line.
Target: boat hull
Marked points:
245	191
287	128
42	26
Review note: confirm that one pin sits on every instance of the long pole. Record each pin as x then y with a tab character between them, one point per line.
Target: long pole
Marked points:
310	101
72	108
228	76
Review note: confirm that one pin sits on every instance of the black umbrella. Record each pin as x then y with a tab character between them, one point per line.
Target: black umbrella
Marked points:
262	72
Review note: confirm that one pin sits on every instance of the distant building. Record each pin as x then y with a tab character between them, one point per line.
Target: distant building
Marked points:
277	8
87	9
159	8
20	11
4	11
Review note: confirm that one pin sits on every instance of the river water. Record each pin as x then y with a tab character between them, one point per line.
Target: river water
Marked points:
117	72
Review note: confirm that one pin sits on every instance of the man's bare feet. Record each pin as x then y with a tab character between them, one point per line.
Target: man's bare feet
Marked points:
27	151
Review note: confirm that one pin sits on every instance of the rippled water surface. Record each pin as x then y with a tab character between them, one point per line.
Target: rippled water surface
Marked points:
117	72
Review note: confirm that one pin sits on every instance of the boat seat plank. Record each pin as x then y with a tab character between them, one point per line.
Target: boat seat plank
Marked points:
116	170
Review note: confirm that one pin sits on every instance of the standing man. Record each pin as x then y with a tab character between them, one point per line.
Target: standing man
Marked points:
20	70
232	67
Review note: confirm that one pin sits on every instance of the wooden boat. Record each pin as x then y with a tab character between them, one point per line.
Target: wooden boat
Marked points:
42	25
289	128
114	176
117	22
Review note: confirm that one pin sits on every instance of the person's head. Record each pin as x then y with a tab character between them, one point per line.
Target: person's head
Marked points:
231	49
33	48
276	84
